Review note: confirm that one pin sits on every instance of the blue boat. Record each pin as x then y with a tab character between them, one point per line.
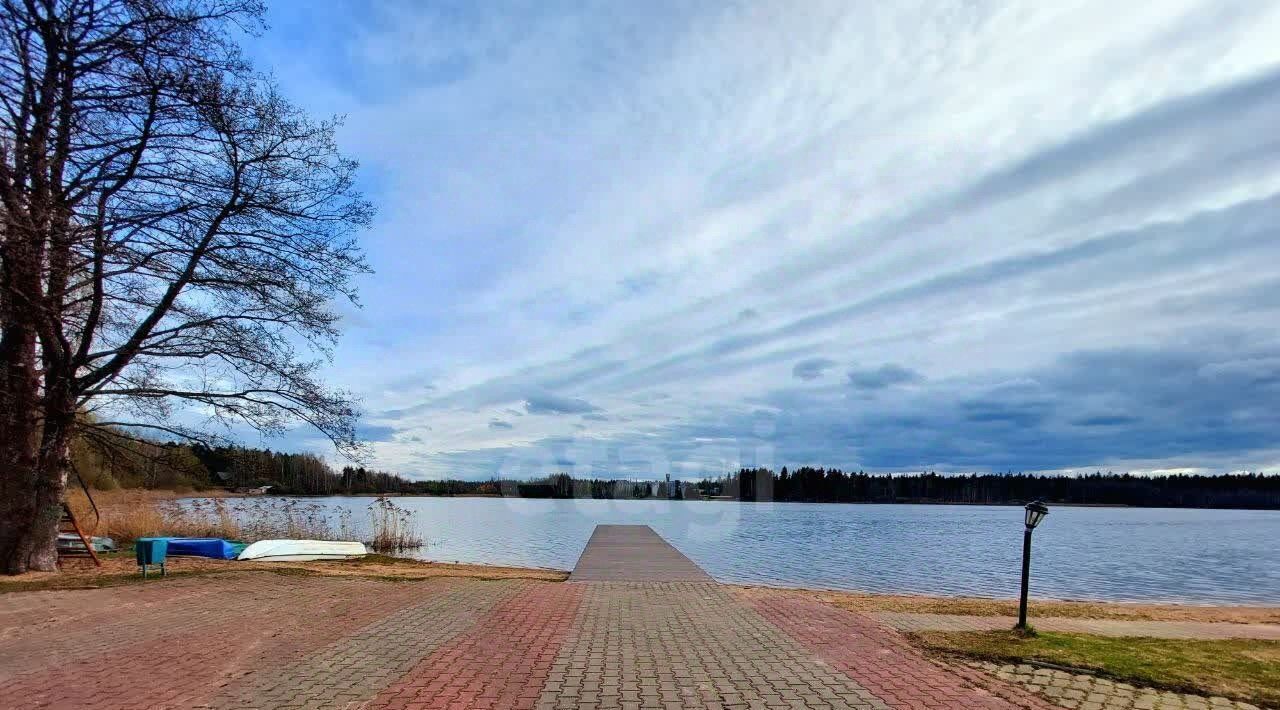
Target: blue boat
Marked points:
214	547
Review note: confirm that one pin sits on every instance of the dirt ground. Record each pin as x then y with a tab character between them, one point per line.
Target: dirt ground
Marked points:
121	568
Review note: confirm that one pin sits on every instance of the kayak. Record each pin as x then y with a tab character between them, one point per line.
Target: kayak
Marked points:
302	550
214	547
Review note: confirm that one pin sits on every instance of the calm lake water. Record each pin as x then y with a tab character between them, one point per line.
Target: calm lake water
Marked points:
1133	554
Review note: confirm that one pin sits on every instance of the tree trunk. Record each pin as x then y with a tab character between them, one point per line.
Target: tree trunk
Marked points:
31	500
30	493
20	409
30	525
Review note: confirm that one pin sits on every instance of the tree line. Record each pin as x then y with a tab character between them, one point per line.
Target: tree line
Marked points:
138	463
178	466
832	485
562	485
173	465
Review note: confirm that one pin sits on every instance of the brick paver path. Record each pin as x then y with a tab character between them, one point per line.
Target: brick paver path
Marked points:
262	640
1100	627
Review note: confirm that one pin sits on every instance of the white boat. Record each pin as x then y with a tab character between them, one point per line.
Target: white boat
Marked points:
302	550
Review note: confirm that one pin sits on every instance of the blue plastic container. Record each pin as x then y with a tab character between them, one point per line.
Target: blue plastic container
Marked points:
152	551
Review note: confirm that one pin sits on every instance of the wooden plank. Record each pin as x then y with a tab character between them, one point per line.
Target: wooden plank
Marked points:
69	517
633	553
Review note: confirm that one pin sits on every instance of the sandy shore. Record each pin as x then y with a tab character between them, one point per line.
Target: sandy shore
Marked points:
972	606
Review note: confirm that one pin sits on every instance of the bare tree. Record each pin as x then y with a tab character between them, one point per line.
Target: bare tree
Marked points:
174	237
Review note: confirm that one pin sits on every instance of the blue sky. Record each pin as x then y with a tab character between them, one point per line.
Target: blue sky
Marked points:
637	238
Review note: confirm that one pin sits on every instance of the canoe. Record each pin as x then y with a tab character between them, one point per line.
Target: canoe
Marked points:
302	550
213	547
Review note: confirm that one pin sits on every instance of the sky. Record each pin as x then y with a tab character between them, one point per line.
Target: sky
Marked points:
630	239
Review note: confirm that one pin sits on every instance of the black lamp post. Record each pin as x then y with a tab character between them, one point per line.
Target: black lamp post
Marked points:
1035	513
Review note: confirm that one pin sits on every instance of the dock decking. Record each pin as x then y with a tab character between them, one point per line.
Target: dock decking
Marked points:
633	553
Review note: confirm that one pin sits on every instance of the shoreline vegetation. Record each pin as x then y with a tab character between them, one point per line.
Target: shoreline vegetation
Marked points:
125	515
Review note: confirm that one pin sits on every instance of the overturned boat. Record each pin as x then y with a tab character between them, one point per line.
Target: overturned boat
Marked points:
71	542
212	547
302	550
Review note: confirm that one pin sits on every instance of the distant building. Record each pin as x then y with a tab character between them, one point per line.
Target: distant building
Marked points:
755	484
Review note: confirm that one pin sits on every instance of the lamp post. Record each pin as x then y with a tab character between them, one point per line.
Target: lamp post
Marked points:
1035	513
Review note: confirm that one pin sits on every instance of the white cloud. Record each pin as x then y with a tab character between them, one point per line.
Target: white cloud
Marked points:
585	205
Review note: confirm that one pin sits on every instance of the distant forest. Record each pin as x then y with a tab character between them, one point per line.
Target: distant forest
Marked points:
140	464
818	485
122	462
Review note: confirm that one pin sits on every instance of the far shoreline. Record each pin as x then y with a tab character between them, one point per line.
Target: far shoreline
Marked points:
219	493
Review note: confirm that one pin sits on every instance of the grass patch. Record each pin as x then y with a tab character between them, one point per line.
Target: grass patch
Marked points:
1244	669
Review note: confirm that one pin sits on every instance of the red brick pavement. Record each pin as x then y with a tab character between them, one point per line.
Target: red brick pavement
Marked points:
501	663
880	659
355	667
160	645
263	640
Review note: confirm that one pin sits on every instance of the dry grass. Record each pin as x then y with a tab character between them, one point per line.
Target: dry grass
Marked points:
1245	669
120	569
127	515
1042	608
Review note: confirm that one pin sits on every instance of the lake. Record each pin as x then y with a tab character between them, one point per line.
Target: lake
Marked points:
1122	554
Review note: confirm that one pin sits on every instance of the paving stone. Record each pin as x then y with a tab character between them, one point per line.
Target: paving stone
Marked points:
1087	692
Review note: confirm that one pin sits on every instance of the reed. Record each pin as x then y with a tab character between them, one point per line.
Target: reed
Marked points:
393	528
127	515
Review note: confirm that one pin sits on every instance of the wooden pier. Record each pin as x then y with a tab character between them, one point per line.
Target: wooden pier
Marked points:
633	553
